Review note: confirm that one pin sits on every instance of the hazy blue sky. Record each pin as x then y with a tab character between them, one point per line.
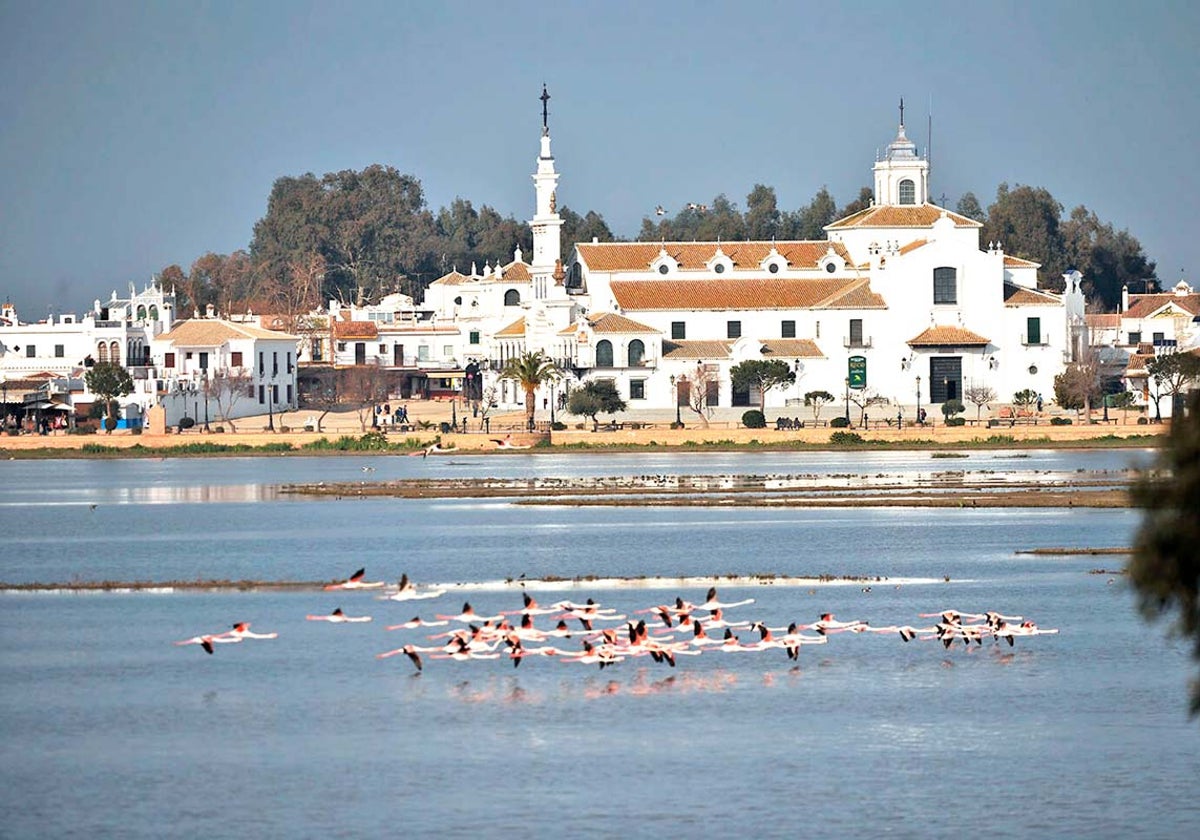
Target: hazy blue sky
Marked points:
135	135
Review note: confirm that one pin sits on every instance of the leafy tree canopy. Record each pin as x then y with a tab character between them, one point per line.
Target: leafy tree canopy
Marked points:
761	374
595	397
1165	569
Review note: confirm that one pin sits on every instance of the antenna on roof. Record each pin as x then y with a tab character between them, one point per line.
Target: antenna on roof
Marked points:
929	145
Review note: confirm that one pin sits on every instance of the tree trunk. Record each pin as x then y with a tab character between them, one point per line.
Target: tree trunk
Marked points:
530	407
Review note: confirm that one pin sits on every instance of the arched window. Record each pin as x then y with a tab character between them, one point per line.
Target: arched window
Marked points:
637	352
141	312
114	353
102	352
153	312
512	298
604	356
908	192
945	285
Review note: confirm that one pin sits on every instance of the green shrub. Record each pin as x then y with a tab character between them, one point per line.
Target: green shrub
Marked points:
1060	421
558	426
956	421
952	407
110	423
754	419
186	422
845	438
839	423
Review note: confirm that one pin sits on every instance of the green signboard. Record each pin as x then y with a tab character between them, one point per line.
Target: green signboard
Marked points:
858	371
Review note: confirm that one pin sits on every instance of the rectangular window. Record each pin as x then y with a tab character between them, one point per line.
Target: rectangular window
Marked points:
169	360
60	351
1033	330
733	329
788	329
945	378
341	346
423	353
262	365
1135	338
289	393
250	392
945	286
447	351
856	334
275	394
678	330
275	365
712	393
30	351
637	389
382	349
289	361
474	336
262	394
203	361
1158	339
235	358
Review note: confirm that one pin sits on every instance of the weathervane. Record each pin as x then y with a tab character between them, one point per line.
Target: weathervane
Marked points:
545	97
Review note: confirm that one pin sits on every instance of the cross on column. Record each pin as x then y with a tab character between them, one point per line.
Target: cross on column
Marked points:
545	97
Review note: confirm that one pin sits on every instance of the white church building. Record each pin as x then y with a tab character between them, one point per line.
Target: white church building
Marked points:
901	301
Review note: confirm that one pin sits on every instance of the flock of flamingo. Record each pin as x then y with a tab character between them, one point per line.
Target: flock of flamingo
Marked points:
606	637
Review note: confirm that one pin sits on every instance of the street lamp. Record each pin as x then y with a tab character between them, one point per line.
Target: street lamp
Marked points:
675	388
552	404
847	400
798	368
919	401
271	404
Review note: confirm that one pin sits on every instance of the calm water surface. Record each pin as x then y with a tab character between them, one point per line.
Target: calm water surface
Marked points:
110	730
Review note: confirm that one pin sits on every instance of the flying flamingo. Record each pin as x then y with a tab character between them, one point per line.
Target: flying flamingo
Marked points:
355	581
469	615
407	591
407	650
339	617
416	622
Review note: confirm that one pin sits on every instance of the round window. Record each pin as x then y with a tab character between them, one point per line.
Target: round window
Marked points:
1032	369
830	267
719	268
458	301
773	268
664	268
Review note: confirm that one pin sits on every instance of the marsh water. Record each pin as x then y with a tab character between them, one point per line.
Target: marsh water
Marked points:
109	729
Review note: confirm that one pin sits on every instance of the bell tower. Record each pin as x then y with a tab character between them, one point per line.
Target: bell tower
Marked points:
902	176
546	223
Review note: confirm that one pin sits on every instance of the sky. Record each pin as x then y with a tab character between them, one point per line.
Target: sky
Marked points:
136	135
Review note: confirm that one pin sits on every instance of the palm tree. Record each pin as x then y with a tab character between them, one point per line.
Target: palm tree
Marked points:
531	371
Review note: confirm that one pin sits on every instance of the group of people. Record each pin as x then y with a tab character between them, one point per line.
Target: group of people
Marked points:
384	414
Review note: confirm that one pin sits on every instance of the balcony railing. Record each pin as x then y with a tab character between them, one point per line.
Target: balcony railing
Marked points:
1035	341
863	342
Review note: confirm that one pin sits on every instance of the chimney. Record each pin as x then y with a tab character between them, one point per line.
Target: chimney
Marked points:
1125	298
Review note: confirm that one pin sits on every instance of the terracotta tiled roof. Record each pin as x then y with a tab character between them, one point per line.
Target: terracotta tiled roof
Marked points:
355	329
857	296
1018	295
1016	262
746	293
792	348
206	332
1141	306
611	322
1136	369
513	330
1102	321
894	216
454	278
696	349
514	272
940	336
914	245
637	256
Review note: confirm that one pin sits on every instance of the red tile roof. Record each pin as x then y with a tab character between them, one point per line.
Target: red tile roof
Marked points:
747	293
355	329
1018	295
792	348
696	349
637	256
516	328
1141	306
942	336
1016	262
894	216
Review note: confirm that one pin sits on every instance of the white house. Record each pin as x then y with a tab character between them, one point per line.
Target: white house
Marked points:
211	369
